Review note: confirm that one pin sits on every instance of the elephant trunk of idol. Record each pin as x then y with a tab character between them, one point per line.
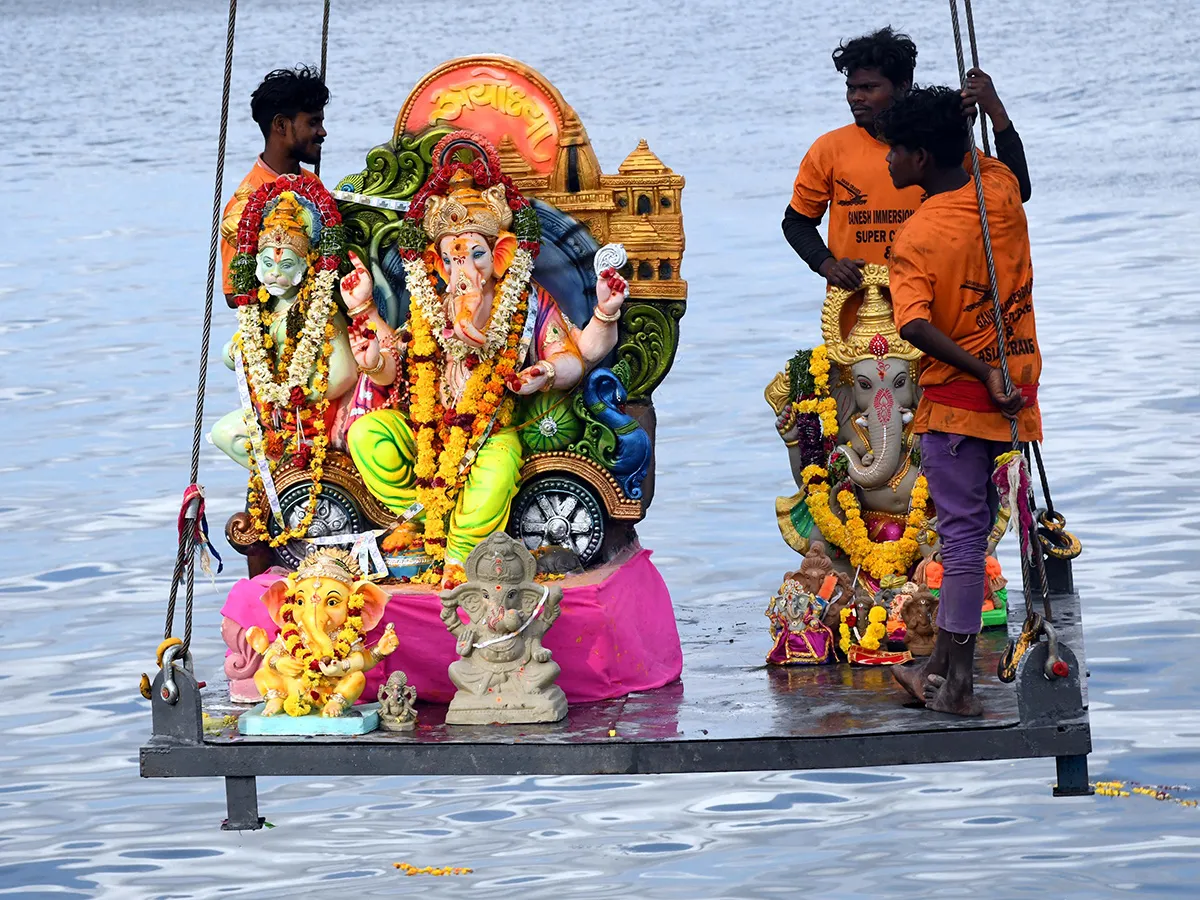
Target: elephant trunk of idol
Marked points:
316	638
886	430
466	307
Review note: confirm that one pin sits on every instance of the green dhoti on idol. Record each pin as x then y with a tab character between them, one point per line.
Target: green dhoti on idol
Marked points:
442	452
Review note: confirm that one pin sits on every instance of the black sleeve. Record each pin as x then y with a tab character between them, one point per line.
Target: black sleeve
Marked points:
1011	152
801	232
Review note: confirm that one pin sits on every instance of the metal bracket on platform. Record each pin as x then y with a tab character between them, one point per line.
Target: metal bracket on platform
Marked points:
1045	699
182	720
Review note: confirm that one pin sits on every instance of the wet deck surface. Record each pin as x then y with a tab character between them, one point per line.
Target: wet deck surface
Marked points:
729	711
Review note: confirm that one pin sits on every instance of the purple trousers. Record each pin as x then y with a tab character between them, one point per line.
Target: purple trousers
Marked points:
959	469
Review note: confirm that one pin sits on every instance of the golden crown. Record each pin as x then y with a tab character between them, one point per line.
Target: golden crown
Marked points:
284	227
874	333
326	563
465	208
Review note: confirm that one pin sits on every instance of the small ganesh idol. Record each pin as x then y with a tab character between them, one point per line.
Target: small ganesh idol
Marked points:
796	627
291	354
442	451
317	661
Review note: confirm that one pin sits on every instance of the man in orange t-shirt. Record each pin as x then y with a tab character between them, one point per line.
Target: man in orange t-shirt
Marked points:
942	304
845	170
289	107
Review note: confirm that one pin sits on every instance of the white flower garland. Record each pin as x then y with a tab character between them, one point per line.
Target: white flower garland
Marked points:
258	366
505	303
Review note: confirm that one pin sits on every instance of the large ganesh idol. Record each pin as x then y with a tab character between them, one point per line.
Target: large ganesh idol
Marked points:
845	410
444	452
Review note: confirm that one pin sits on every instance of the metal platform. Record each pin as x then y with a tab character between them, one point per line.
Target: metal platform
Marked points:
729	712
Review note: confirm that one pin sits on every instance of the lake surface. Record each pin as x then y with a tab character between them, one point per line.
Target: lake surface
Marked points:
111	113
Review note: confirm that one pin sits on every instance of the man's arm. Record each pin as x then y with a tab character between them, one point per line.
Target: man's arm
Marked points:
1011	152
930	339
1009	149
801	232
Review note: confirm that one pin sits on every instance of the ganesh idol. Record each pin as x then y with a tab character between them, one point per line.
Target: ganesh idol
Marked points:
845	409
442	452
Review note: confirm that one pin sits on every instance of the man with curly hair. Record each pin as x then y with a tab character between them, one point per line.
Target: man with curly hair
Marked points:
844	170
942	301
289	109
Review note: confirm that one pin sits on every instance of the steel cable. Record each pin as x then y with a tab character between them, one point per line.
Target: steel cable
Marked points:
186	556
987	151
324	60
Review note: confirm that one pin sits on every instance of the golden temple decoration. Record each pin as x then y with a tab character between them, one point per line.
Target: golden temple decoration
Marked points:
519	110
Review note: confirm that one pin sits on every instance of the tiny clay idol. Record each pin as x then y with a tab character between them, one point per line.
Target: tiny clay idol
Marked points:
504	675
396	699
323	610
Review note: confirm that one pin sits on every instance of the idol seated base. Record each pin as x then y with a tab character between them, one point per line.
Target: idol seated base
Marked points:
362	719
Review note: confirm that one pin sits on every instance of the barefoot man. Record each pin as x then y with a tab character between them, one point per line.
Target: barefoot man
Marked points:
845	170
289	109
942	304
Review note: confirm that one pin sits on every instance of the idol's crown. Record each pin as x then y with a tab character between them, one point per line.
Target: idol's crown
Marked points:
284	227
465	208
327	563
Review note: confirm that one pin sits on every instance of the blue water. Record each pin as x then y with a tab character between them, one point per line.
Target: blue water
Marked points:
110	110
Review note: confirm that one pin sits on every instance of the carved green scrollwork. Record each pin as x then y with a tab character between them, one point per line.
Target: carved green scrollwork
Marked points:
599	442
394	171
648	341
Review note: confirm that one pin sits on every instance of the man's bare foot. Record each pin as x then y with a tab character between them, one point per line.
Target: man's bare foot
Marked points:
933	684
955	698
912	679
274	706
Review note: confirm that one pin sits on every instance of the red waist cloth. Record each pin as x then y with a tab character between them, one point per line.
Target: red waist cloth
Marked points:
972	395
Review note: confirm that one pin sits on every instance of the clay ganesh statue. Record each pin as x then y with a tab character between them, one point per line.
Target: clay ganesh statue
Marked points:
504	674
317	662
290	353
845	411
441	450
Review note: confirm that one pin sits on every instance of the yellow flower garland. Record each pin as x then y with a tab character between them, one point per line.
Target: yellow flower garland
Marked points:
440	474
877	559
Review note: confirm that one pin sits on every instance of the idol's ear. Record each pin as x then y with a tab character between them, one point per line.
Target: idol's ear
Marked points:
375	600
438	265
503	252
274	597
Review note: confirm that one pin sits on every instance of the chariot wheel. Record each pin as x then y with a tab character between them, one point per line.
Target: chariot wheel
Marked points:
337	513
556	511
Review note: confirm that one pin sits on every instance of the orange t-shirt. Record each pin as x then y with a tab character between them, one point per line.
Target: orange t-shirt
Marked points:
939	273
259	175
847	168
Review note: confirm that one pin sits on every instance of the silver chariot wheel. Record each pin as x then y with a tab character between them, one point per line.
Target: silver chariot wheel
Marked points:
337	513
558	512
